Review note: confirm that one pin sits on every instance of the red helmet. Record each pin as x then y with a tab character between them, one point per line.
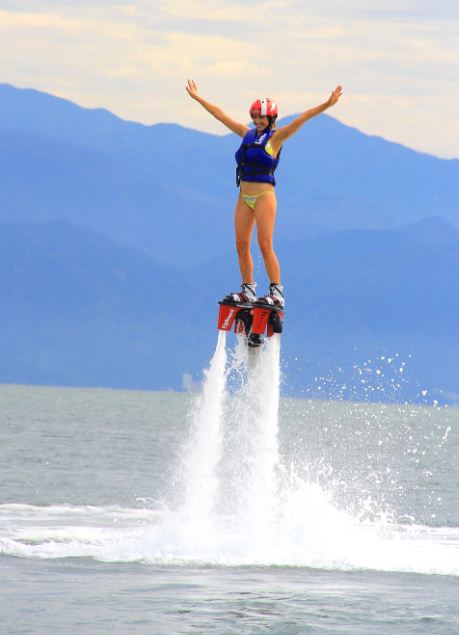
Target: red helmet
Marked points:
265	106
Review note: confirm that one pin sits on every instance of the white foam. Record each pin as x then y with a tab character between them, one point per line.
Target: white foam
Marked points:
308	532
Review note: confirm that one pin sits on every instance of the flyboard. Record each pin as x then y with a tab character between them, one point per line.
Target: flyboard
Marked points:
252	320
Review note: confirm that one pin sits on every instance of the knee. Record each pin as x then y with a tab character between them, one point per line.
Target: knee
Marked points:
242	246
266	246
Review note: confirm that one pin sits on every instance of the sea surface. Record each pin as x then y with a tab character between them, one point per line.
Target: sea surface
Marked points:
128	512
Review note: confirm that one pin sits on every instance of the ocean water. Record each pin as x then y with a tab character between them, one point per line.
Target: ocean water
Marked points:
227	511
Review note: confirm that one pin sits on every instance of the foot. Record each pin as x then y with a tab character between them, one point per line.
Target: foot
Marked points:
275	296
247	295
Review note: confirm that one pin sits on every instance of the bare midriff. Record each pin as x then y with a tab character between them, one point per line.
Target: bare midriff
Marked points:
252	189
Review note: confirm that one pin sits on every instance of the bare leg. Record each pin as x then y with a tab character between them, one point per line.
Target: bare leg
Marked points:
265	215
244	221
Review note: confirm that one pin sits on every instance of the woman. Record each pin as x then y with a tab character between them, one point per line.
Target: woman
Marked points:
257	159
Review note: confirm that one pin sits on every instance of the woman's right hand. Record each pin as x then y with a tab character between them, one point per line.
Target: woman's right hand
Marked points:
238	128
192	89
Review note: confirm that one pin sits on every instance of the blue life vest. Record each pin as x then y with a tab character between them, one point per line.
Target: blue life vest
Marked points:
254	163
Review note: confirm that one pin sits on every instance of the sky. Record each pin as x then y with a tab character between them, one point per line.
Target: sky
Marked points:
397	60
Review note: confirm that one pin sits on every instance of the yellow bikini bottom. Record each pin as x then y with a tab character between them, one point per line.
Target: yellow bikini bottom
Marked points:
252	199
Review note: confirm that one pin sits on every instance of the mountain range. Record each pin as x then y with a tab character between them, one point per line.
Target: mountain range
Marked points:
117	240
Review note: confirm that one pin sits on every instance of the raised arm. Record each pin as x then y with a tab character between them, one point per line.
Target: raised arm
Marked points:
283	133
236	127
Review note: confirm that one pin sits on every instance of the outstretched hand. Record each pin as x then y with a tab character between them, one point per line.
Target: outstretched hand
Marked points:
336	94
192	88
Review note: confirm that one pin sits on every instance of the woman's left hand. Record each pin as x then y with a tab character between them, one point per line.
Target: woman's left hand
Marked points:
192	88
336	94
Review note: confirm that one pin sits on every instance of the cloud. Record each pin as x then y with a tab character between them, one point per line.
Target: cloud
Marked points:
200	9
127	54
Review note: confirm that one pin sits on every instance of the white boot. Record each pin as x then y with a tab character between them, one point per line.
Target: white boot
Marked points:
276	293
248	293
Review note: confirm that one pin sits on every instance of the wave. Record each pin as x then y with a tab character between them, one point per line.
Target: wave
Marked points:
313	535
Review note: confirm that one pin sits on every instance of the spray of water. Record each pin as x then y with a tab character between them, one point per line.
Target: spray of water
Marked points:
244	506
203	456
240	504
260	493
